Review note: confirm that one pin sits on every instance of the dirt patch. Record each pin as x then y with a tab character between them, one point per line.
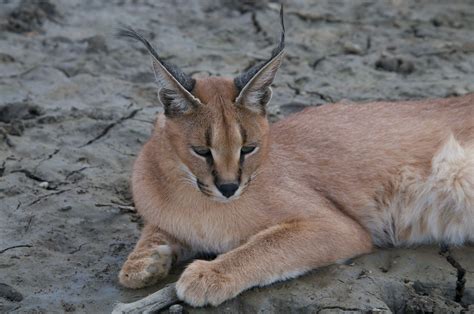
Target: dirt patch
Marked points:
29	16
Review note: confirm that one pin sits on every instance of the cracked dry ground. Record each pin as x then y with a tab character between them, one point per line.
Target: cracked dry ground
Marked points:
76	105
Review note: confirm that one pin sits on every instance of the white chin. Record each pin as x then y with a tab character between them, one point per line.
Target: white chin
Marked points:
218	197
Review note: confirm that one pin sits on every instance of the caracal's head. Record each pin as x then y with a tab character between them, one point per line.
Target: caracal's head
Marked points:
217	126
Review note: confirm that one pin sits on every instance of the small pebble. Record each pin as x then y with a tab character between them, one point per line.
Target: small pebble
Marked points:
96	44
459	91
176	309
5	58
352	48
10	293
65	208
44	185
394	64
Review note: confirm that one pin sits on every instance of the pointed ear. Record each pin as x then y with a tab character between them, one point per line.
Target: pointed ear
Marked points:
174	97
256	94
254	84
175	86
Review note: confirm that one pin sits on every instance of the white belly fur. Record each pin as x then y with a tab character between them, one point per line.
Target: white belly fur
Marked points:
438	208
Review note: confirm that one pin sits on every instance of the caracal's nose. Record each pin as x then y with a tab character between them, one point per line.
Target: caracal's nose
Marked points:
227	189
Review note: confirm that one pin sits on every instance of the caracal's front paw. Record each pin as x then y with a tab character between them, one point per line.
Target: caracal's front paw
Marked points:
145	267
203	283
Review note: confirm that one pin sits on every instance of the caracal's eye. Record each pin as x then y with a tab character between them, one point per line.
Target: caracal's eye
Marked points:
202	151
247	149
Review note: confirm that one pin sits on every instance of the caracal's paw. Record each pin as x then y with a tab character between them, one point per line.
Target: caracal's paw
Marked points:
146	267
203	283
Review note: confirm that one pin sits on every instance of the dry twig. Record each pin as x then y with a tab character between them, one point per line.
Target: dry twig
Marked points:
154	302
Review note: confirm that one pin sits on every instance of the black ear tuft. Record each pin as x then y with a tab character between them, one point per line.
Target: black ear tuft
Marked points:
185	80
175	86
244	78
254	84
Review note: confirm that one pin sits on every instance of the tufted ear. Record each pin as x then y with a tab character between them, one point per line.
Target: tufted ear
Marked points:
176	99
254	84
175	86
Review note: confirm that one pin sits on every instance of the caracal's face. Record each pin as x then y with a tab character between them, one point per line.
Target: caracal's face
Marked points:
217	127
220	145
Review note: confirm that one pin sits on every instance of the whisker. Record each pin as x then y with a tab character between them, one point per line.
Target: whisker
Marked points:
201	184
188	180
206	192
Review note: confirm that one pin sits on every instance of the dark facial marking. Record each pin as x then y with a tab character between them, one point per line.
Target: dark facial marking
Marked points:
243	134
208	137
214	175
241	160
210	161
203	188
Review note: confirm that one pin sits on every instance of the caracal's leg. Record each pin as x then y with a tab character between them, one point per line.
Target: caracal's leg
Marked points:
151	259
280	252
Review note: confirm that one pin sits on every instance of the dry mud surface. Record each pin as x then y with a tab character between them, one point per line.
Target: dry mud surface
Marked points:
76	105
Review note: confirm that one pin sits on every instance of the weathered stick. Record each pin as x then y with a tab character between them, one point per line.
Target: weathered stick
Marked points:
154	302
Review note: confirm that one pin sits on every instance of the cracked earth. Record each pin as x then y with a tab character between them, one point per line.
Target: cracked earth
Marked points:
76	105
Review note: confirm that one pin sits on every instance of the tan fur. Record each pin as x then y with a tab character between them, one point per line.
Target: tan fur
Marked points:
325	184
